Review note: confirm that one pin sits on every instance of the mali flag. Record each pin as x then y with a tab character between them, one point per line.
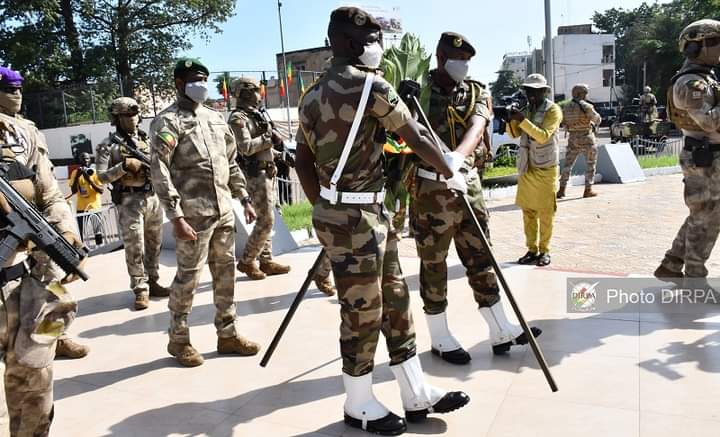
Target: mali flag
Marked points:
289	73
262	89
282	88
301	83
224	88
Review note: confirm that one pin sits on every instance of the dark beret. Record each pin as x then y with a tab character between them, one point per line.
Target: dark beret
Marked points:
456	41
354	17
189	65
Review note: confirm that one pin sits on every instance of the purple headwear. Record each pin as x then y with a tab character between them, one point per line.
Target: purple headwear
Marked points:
10	78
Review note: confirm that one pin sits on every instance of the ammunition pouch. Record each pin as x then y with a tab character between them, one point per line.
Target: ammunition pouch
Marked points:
703	153
118	190
253	167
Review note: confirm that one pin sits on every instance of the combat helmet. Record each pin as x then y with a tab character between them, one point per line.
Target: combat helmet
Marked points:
580	90
124	106
243	83
698	31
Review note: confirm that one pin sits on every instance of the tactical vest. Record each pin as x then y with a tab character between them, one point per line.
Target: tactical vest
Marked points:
541	155
680	117
118	155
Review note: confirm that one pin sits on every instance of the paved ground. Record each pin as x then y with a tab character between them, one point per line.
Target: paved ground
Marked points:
626	229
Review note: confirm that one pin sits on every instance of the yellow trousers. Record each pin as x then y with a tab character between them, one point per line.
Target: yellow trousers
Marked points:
538	227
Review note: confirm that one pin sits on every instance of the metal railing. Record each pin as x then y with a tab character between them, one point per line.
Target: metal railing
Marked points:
289	191
660	147
104	223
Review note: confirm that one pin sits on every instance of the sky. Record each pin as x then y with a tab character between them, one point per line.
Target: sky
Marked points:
251	38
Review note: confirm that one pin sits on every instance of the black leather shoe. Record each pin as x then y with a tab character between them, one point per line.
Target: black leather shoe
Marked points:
521	339
450	402
528	258
458	356
543	259
391	424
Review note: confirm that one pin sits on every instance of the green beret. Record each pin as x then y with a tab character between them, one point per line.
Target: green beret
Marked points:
189	65
354	17
456	41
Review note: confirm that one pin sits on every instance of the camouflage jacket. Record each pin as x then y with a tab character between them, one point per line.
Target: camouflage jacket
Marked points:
580	116
33	154
253	136
326	112
193	169
695	95
444	105
109	158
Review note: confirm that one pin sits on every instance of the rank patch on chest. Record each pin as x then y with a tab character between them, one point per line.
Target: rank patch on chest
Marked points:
168	138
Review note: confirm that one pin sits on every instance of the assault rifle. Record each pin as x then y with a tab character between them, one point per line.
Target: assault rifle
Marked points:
24	223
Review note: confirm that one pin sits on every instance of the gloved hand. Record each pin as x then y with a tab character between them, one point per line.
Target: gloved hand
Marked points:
76	241
454	160
457	182
132	165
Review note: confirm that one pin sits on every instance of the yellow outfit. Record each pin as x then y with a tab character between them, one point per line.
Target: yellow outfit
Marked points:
87	198
537	187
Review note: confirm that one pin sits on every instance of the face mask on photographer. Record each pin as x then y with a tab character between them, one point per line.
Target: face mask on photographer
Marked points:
457	69
372	55
197	91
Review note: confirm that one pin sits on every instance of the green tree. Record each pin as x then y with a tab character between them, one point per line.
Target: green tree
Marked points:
506	83
228	81
143	37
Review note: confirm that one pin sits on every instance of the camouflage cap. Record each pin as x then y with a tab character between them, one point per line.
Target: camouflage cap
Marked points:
699	31
455	41
124	106
10	78
189	65
244	83
354	17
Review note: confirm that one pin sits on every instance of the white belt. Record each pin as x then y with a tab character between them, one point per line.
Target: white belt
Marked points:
352	198
427	174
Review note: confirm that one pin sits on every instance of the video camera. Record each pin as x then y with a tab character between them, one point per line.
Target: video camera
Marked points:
510	104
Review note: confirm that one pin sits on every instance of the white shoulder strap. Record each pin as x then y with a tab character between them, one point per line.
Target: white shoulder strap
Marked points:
351	135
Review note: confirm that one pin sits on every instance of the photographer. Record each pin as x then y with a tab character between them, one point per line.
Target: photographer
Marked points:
85	183
538	166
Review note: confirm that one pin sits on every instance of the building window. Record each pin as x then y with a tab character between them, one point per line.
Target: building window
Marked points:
607	78
607	54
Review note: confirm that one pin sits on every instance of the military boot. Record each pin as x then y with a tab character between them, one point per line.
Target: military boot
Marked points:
325	285
666	275
142	301
272	268
251	270
561	192
237	345
67	348
185	354
589	192
157	290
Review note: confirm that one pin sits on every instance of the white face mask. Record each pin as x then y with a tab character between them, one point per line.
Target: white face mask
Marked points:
372	55
197	91
457	69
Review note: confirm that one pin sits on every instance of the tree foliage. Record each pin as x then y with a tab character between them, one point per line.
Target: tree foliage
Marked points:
506	84
647	38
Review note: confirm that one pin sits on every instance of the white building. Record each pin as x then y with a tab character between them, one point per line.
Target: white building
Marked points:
516	62
581	56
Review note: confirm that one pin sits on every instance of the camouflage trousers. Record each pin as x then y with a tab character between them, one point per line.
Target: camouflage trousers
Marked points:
323	271
439	217
27	398
141	231
372	293
259	243
697	235
215	243
578	144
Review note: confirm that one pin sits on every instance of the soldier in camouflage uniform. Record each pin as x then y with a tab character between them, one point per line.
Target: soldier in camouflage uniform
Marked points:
692	105
138	206
255	141
195	175
648	106
341	170
34	311
459	111
10	104
580	119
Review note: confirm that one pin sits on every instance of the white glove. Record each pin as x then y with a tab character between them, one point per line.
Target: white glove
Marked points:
457	182
454	160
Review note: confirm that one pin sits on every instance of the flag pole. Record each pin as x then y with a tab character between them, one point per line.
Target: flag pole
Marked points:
284	78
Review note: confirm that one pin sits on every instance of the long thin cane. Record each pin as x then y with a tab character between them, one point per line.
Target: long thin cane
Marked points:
291	311
486	244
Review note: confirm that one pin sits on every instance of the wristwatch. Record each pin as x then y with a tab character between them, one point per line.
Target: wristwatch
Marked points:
245	201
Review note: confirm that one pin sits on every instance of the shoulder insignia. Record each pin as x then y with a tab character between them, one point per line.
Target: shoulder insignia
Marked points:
392	96
697	85
168	138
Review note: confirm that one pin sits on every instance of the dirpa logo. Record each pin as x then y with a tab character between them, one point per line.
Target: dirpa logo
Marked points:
583	296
